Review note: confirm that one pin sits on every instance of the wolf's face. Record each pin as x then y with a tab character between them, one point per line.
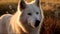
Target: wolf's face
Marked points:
31	14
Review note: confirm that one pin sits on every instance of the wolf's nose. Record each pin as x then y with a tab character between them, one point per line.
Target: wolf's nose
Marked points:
37	23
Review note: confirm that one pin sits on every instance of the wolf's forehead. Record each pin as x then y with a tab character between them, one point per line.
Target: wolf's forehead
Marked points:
32	8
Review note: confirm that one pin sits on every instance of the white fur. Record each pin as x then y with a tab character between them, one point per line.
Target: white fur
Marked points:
21	22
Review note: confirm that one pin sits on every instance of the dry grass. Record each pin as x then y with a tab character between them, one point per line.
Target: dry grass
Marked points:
51	23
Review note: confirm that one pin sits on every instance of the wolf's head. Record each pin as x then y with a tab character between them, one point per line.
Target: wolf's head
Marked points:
31	13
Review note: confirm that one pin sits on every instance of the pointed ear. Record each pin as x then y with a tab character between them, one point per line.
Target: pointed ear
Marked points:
37	2
22	4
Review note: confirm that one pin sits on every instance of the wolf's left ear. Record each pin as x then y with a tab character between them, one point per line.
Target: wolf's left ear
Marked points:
22	4
37	2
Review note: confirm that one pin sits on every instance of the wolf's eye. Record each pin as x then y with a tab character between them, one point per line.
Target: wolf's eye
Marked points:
29	14
37	12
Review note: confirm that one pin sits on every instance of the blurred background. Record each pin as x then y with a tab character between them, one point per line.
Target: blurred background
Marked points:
51	9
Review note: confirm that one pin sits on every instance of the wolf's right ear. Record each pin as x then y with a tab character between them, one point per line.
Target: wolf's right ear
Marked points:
22	4
37	2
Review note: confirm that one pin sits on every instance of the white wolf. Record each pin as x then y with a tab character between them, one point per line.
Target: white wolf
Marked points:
27	19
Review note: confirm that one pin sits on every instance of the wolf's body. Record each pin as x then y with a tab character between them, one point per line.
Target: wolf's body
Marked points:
24	21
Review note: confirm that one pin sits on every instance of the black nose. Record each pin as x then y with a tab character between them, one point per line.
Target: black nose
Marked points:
37	23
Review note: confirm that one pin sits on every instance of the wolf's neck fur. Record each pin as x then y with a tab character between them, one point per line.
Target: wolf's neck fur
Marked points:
18	27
